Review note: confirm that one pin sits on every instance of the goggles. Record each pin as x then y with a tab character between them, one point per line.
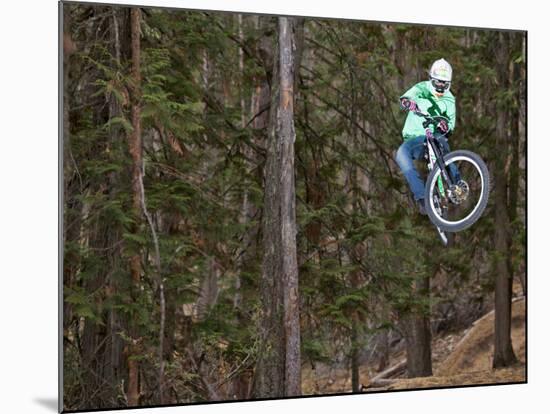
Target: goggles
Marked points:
440	86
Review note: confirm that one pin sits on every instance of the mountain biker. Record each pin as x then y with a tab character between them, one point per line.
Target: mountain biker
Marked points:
433	97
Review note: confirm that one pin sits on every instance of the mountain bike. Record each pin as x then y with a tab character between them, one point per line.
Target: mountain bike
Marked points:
457	187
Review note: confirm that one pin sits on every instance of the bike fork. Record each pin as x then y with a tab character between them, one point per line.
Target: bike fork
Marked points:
438	159
432	160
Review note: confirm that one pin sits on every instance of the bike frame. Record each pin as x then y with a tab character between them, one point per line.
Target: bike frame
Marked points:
435	155
432	159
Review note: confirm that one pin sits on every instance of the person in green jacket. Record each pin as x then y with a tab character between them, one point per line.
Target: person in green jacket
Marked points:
433	97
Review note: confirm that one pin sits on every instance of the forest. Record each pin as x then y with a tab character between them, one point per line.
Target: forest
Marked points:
235	225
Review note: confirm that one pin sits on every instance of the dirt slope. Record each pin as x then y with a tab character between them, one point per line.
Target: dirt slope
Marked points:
458	359
500	376
470	362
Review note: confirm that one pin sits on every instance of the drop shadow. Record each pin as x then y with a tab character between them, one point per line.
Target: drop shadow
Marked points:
49	403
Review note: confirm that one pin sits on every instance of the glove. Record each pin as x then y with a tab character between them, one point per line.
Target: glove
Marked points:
443	126
409	105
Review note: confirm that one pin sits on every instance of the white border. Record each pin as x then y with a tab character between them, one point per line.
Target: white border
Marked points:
28	206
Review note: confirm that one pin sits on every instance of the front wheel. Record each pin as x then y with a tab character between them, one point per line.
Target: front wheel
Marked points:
463	202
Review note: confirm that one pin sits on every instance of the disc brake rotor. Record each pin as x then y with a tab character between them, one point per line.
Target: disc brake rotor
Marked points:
458	193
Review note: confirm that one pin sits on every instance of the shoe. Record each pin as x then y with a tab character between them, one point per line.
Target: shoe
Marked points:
421	206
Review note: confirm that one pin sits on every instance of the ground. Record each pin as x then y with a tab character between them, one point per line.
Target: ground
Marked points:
463	358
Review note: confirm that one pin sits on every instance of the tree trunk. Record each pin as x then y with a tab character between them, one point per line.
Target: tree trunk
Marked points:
514	137
419	337
354	358
514	174
279	368
102	347
243	217
269	375
73	206
135	147
117	320
240	386
287	136
504	353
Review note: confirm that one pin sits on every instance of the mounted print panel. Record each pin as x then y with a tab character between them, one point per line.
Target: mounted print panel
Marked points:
263	207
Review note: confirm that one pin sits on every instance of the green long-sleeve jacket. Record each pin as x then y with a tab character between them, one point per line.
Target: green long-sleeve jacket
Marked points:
429	103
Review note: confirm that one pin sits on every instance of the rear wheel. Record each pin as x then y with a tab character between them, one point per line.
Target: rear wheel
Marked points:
457	207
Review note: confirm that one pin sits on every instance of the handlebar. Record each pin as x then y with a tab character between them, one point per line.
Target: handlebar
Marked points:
430	120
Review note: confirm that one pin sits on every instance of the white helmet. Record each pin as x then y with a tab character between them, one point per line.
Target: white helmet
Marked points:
441	74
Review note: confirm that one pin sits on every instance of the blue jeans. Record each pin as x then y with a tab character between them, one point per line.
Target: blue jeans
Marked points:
413	149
